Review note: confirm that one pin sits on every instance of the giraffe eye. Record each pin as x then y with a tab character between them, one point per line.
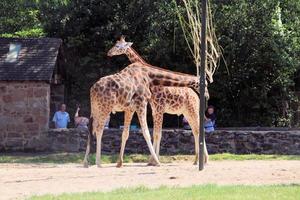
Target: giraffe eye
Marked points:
121	46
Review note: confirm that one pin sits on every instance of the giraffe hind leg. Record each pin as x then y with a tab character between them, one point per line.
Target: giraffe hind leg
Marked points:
98	127
87	152
157	131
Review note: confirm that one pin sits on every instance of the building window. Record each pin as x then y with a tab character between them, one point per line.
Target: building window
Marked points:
14	50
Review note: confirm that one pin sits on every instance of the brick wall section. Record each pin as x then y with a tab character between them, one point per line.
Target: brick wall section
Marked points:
24	113
178	141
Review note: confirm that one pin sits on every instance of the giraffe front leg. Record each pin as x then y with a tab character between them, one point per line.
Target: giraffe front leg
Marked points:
125	134
143	122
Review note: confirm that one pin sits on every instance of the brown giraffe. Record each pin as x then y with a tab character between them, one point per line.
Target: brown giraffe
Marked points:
171	100
129	91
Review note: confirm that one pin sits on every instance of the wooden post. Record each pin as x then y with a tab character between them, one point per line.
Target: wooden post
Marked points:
202	83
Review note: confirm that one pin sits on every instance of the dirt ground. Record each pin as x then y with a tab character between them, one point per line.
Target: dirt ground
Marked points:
22	180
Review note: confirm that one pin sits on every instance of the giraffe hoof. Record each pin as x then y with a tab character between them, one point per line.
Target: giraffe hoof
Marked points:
119	165
195	163
99	165
85	165
150	164
153	164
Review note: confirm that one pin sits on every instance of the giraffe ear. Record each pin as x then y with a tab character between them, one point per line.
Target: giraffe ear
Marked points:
122	38
128	44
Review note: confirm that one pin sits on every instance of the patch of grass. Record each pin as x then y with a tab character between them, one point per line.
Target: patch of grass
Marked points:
61	158
229	156
204	192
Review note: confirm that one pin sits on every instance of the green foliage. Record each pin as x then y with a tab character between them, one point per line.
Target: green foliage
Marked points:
207	192
33	33
261	48
19	18
261	42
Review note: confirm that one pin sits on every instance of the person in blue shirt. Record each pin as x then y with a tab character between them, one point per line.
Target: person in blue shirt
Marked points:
210	119
61	118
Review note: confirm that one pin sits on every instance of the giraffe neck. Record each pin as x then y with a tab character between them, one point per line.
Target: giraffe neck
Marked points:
133	56
162	77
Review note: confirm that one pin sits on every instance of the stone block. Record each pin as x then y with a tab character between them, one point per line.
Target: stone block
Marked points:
19	96
32	127
2	135
10	127
42	119
27	119
3	89
29	92
31	134
40	92
15	135
14	144
7	98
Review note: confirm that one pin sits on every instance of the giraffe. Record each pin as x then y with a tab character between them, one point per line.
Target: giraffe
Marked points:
171	100
129	91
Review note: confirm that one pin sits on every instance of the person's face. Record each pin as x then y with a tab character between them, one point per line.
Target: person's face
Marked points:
63	107
210	111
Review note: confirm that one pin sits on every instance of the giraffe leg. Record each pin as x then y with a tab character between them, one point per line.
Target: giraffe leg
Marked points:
192	117
143	122
197	148
157	131
125	134
99	127
87	152
196	139
98	148
205	153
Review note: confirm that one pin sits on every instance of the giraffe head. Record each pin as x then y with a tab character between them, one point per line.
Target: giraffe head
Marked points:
119	48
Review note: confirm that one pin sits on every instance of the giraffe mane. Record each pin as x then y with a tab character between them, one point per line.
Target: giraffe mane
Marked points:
158	68
138	55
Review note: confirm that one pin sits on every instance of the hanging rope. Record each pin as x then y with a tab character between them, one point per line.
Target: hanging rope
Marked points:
190	22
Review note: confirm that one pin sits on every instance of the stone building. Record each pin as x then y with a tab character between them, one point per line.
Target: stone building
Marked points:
31	85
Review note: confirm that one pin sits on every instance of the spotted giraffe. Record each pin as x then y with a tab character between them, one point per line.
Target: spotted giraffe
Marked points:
129	91
171	100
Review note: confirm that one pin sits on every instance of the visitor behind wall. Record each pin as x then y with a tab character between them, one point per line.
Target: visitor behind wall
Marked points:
106	126
80	122
61	118
210	119
186	125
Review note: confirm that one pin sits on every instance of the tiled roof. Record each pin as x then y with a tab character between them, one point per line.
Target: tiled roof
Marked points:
36	60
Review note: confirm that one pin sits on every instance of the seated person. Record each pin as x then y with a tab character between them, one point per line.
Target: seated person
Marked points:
61	118
80	122
210	119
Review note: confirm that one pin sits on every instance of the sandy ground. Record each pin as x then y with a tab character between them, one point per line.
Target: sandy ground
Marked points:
18	181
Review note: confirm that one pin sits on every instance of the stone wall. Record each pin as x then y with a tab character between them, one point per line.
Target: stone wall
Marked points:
24	113
178	141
